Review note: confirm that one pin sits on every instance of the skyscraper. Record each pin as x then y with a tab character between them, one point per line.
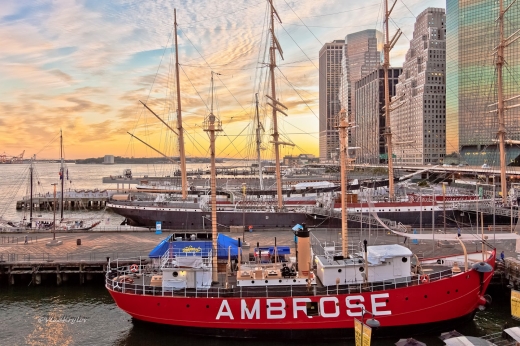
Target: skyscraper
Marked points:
369	92
418	118
329	87
362	55
472	125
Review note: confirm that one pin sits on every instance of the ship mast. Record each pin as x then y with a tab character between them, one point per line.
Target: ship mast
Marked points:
258	144
389	44
211	125
344	165
504	42
184	178
275	105
61	174
31	170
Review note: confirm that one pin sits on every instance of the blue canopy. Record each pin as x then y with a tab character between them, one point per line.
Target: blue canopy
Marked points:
198	247
223	243
160	249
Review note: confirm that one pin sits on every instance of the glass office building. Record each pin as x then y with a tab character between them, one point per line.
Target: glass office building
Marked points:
362	55
472	33
369	92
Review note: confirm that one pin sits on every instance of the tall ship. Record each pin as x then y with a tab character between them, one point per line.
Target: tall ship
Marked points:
188	207
325	290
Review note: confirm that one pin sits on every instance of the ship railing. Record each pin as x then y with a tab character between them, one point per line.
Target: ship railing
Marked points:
263	291
168	259
127	267
66	257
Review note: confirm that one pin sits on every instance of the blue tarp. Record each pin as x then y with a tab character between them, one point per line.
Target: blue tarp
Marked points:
196	246
223	243
160	249
282	250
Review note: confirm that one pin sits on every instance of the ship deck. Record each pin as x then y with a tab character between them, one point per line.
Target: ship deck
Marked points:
143	284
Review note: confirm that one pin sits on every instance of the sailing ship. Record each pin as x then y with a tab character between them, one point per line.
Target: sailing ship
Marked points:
190	212
46	223
189	209
320	292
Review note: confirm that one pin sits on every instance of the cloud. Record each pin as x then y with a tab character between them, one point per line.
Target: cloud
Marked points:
83	66
61	75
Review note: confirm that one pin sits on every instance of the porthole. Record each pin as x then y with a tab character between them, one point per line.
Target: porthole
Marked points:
339	270
175	274
361	269
404	259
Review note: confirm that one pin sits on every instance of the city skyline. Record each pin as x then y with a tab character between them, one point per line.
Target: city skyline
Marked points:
84	66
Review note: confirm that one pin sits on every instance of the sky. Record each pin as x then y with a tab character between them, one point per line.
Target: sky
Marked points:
83	67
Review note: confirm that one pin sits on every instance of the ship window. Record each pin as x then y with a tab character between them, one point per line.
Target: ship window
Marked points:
361	269
312	308
175	274
404	260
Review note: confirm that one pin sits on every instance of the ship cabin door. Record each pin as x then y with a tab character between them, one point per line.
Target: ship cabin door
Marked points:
396	266
191	281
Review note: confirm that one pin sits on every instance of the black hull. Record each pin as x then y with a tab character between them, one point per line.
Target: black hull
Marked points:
199	220
298	334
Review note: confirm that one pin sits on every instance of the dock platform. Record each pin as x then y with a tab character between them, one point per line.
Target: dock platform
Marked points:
72	200
84	256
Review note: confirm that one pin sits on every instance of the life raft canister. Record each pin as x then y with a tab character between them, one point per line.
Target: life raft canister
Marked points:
134	268
424	279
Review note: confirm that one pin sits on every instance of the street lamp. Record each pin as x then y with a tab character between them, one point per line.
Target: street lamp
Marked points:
54	242
478	197
433	218
359	326
444	203
54	218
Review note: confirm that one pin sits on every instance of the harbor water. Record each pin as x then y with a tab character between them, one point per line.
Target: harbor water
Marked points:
87	315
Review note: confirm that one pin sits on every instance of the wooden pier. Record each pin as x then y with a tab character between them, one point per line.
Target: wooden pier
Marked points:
83	257
72	200
38	272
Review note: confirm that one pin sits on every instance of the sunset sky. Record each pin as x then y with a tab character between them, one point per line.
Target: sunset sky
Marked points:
83	66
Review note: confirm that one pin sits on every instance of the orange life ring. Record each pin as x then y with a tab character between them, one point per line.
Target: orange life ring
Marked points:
134	268
424	279
126	280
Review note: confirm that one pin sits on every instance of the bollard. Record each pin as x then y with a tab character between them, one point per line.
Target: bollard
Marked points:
78	242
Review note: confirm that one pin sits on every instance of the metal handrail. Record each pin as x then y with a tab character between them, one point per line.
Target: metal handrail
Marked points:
264	291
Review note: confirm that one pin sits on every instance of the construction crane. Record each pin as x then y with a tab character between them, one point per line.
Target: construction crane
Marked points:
18	159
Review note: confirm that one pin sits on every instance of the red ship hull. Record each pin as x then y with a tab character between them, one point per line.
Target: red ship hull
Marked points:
453	298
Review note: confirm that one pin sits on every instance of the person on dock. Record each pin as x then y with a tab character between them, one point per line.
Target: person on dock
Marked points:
25	240
502	256
250	228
